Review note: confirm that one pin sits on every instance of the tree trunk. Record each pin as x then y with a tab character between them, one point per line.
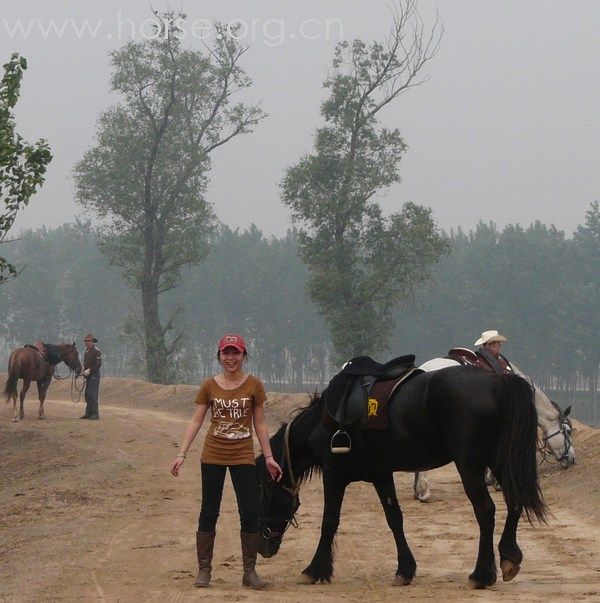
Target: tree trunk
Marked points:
594	398
322	366
298	372
156	349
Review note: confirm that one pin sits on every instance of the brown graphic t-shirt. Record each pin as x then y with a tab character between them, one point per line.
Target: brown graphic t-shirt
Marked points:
229	437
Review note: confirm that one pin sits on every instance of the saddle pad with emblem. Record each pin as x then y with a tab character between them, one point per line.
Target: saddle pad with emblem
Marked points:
378	408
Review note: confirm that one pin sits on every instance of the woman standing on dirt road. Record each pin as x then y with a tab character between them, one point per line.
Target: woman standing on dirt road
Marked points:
236	399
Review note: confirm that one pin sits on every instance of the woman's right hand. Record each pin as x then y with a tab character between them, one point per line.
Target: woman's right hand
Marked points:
175	465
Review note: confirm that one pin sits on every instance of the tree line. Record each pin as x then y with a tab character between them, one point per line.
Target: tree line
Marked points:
248	283
536	285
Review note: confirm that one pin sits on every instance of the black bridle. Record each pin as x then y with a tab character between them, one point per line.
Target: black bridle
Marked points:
76	391
267	488
564	430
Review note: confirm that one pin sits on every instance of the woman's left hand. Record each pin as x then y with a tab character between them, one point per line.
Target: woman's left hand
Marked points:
273	468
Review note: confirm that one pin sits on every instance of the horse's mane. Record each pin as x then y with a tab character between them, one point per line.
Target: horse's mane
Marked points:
53	353
316	403
541	397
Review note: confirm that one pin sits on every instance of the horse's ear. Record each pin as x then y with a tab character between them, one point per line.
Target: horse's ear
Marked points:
567	411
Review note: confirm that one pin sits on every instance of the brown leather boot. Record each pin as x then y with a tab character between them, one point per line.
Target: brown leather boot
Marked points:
249	551
204	547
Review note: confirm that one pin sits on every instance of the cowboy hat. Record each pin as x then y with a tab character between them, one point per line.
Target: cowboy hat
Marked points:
490	337
89	337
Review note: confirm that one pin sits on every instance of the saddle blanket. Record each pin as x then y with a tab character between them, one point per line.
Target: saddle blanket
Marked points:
378	407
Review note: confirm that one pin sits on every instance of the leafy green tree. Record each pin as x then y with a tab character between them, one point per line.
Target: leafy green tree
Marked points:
529	265
22	166
449	309
69	289
256	286
362	263
32	302
515	280
148	172
295	334
584	302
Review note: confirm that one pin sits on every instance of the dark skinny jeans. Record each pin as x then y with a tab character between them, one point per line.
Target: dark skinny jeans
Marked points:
245	484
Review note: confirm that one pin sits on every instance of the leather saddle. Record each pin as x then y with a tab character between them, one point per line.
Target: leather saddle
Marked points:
347	395
466	357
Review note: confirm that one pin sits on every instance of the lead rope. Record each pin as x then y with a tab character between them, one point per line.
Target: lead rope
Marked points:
74	387
57	376
75	390
286	442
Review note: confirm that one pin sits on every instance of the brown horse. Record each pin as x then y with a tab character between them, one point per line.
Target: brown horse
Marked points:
37	364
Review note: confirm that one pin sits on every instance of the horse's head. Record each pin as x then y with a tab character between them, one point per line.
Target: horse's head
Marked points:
278	506
70	357
560	440
279	501
555	423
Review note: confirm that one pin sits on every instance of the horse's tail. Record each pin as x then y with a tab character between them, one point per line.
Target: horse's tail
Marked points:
516	454
14	370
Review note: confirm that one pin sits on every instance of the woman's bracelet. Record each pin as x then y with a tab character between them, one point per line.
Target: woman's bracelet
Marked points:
270	456
181	455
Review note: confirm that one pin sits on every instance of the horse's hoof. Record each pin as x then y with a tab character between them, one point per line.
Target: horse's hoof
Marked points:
401	581
479	580
424	497
509	569
305	579
15	419
42	417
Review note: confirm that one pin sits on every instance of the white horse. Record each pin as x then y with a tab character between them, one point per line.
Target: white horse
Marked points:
554	423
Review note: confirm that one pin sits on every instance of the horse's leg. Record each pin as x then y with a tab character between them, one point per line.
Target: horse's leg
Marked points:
421	490
14	399
483	505
407	565
320	568
26	384
42	386
490	480
510	553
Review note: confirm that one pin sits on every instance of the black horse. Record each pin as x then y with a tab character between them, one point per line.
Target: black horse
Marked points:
474	418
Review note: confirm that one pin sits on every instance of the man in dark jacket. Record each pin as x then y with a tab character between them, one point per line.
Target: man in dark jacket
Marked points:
92	360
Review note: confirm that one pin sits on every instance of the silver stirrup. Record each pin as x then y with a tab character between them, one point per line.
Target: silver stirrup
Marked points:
340	442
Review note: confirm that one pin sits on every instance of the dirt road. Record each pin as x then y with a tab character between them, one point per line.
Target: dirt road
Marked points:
89	512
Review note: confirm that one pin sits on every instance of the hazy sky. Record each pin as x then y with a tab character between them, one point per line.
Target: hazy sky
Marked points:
506	129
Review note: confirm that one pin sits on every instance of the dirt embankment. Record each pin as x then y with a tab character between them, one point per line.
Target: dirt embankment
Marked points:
138	394
89	511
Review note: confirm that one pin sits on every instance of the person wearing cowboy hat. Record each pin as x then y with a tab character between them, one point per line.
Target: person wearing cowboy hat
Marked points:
488	352
92	361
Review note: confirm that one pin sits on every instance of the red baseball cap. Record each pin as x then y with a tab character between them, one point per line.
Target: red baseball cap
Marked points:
232	341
